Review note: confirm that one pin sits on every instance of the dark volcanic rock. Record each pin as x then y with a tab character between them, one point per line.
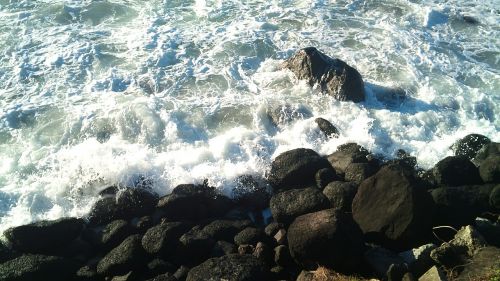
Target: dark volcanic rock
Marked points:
195	246
495	197
250	236
44	237
327	238
232	268
469	145
381	260
287	205
392	209
128	203
358	172
285	114
296	169
487	151
222	248
37	267
250	193
159	266
194	202
345	155
282	256
129	255
325	176
115	232
225	229
334	76
485	265
327	128
340	194
458	206
455	171
163	237
5	253
490	169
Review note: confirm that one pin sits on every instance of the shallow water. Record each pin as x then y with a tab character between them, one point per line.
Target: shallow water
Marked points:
94	93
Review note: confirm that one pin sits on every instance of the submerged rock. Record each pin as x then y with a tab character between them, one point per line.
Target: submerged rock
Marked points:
296	169
327	128
230	267
286	114
334	77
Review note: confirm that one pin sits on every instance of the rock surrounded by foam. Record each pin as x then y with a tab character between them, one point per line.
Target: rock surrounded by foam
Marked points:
334	76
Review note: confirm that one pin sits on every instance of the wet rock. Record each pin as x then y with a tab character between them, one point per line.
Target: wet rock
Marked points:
419	259
284	114
484	265
489	230
282	256
272	228
44	237
162	238
249	235
459	206
490	169
469	145
358	172
380	261
345	155
195	246
455	171
495	197
340	194
222	248
392	209
143	223
325	176
5	253
287	205
128	203
37	267
470	20
181	273
231	267
433	274
327	128
225	229
129	255
486	151
250	193
295	169
114	233
333	76
194	202
327	238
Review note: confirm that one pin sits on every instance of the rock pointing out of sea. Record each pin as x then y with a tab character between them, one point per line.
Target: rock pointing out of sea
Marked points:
334	76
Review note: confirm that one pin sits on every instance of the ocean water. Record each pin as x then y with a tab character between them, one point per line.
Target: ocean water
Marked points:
95	93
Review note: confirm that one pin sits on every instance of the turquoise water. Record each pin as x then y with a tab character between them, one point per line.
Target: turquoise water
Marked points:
94	93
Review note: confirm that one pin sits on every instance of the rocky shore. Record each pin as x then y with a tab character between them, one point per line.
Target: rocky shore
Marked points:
350	215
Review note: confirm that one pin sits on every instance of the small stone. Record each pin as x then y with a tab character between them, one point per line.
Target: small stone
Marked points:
433	274
327	128
245	249
280	236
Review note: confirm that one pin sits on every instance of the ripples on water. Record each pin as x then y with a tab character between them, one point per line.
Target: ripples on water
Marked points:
94	93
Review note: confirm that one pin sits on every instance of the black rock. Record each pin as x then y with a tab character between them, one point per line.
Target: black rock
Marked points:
487	151
250	193
38	267
225	229
490	169
495	197
345	155
489	230
158	266
222	248
455	171
250	236
325	176
114	233
164	277
163	238
380	261
340	194
231	267
459	206
469	145
485	265
285	114
194	202
87	273
334	76
44	237
143	223
128	203
282	256
264	253
5	253
181	273
296	169
287	205
358	172
392	209
127	256
327	128
272	228
195	246
328	238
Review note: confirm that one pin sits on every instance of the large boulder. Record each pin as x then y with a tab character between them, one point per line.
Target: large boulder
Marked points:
334	77
490	169
495	197
195	246
231	267
296	169
38	267
282	115
225	229
249	236
459	206
194	202
328	238
469	145
393	209
162	238
455	171
127	256
44	237
487	151
287	205
126	204
340	194
485	265
347	154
